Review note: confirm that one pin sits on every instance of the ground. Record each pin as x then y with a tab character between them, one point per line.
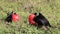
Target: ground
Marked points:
49	8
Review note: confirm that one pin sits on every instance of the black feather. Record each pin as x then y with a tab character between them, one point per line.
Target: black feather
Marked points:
9	16
41	20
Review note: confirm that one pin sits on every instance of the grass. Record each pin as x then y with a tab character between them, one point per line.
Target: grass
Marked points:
49	8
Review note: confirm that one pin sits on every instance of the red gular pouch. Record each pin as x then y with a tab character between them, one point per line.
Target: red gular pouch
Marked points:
30	19
15	17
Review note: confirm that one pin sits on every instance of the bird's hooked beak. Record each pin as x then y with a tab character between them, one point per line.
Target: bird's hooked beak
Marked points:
35	13
13	12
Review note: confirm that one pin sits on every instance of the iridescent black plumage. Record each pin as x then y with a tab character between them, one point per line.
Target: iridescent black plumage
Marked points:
41	20
9	16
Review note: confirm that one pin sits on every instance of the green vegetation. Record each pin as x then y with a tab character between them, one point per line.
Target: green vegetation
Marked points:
49	8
